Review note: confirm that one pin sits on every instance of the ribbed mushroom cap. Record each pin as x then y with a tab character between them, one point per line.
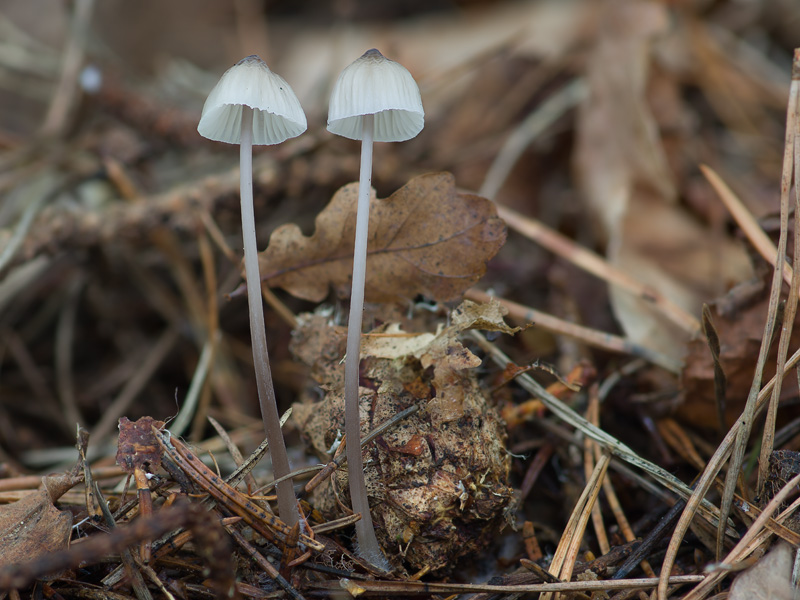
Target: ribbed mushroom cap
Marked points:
277	114
375	85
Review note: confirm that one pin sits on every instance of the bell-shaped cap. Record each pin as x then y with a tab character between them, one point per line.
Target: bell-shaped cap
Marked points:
277	114
375	85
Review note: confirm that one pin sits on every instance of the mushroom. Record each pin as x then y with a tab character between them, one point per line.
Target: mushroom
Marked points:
374	99
252	105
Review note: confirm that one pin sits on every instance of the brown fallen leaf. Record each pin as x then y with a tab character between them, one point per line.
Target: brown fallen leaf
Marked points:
738	318
426	238
33	526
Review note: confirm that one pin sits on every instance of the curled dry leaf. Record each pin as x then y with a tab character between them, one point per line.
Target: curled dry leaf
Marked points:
426	238
33	526
437	482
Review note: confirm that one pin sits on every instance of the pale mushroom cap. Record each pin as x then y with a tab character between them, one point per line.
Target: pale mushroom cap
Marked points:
277	114
375	85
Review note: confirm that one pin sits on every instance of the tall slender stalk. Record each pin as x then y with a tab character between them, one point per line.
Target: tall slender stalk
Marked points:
287	503
368	546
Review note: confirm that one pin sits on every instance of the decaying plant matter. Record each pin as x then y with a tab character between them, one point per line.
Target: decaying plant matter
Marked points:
619	175
437	482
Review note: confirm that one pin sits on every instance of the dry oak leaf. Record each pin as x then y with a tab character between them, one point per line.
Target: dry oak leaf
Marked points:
426	238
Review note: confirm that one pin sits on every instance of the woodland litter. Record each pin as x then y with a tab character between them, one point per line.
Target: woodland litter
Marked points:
577	371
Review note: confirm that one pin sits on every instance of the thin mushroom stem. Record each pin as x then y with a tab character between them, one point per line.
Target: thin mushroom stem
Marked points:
368	546
287	503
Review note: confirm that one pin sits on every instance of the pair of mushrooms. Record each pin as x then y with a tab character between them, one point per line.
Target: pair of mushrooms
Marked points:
374	99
